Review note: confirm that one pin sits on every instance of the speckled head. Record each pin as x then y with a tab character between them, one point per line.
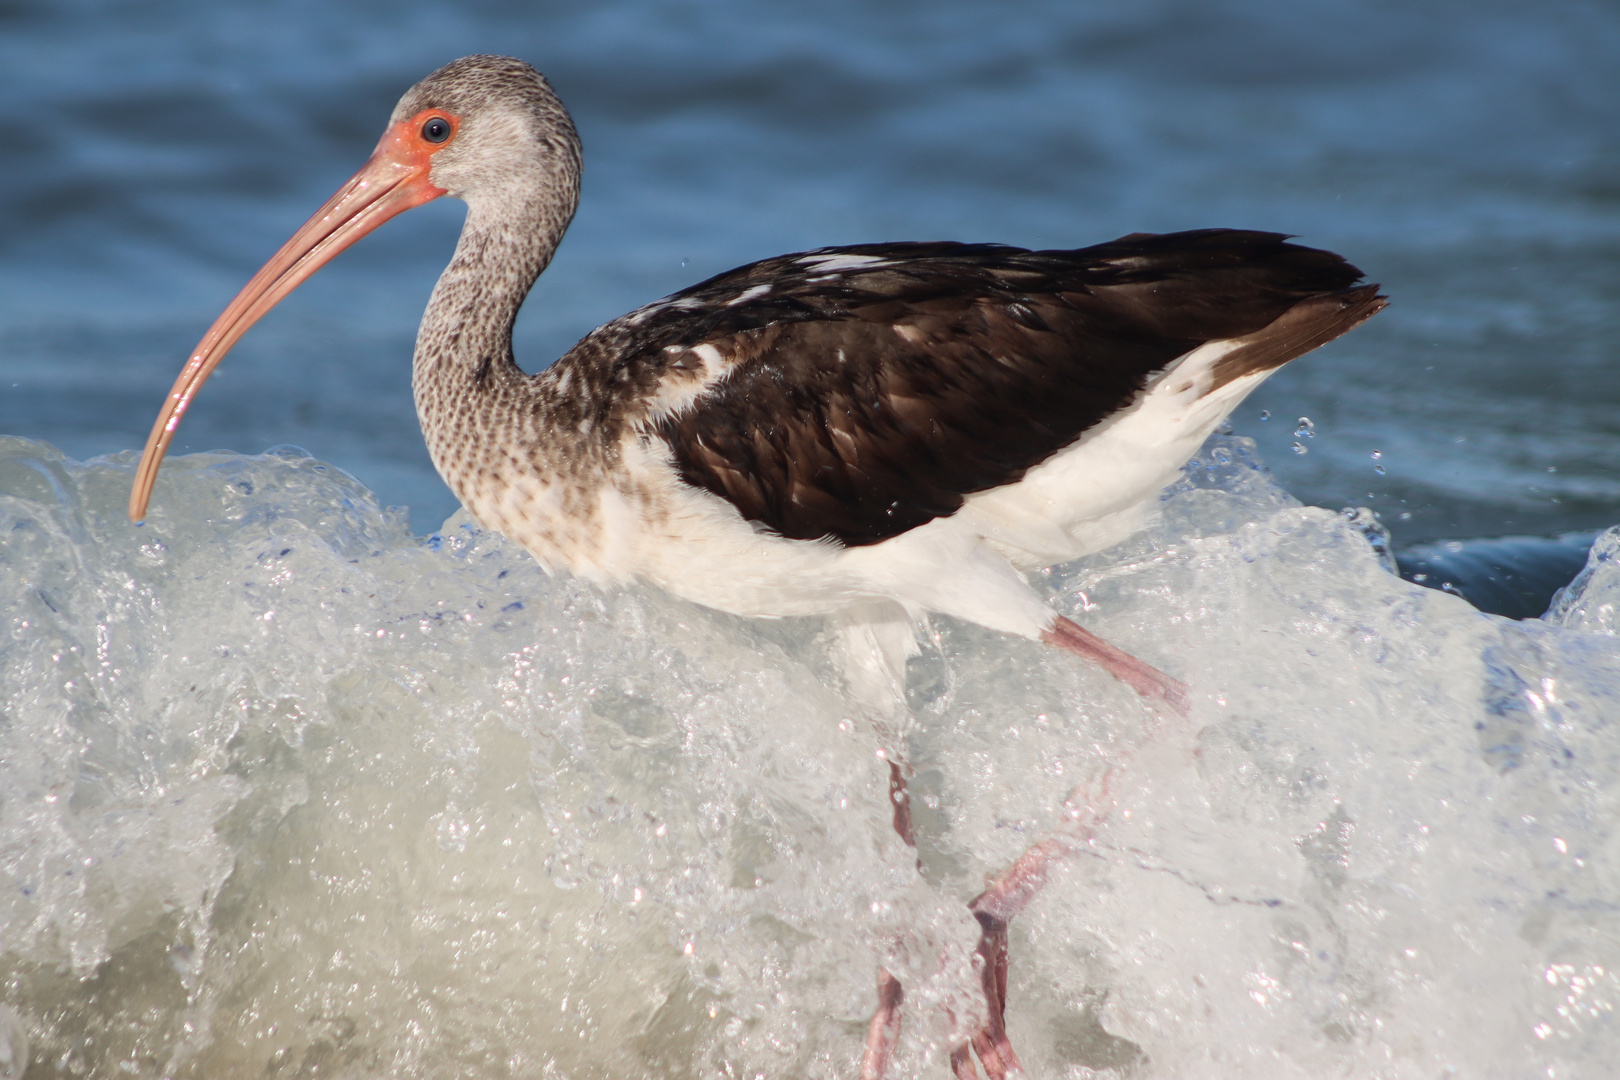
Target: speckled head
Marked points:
509	136
487	129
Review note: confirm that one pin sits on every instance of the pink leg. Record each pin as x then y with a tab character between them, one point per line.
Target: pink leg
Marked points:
1011	892
901	798
990	1042
1145	679
884	1029
995	908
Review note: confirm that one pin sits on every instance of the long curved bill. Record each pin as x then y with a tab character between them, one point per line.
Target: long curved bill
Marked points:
394	179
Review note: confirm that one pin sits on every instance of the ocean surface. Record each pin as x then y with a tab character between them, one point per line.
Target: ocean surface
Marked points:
301	779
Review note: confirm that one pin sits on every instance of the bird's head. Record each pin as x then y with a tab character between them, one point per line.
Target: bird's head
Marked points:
485	129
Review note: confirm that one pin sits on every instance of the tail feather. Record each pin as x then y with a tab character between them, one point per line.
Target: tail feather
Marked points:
1303	327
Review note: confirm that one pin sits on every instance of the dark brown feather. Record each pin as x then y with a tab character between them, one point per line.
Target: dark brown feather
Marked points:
962	366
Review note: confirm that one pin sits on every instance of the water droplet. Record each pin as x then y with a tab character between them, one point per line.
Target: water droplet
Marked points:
1299	448
1306	429
1552	468
1379	469
1265	414
1377	454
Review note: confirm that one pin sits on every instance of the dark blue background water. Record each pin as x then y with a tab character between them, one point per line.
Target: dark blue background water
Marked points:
1466	155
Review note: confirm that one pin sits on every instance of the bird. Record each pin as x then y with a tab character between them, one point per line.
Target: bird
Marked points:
868	433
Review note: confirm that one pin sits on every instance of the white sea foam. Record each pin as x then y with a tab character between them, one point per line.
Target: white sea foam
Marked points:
286	792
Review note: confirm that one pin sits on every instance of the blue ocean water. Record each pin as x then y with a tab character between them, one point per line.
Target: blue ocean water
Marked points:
287	790
1466	155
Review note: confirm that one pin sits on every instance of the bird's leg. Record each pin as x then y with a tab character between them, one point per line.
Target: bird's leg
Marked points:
1015	887
995	909
884	1029
990	1041
1142	677
901	798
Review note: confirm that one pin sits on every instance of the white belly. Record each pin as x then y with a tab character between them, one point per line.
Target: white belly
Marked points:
1100	490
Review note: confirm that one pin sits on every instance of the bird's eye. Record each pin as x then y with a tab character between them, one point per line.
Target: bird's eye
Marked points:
436	130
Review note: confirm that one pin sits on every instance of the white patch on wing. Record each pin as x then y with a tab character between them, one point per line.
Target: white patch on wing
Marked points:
642	314
683	384
712	361
752	294
843	261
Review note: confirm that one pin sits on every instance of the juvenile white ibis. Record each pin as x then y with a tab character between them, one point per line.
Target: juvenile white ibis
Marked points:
867	433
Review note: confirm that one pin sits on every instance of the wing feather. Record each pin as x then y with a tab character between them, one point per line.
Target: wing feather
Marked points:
864	401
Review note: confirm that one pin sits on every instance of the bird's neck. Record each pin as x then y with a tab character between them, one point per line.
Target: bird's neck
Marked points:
469	390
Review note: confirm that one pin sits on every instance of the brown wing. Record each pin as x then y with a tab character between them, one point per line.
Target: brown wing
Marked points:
876	386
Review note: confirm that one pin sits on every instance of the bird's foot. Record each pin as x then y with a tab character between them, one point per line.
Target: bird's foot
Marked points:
1001	901
884	1030
1140	676
990	1042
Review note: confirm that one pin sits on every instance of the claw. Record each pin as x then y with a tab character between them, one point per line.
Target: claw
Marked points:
884	1030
